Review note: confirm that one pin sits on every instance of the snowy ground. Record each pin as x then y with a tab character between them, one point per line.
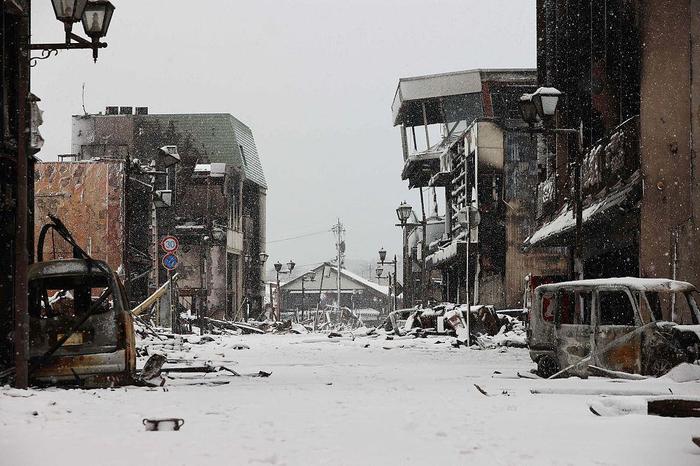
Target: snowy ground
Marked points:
344	403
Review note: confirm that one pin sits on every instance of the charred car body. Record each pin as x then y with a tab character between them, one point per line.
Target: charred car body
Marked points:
634	325
80	328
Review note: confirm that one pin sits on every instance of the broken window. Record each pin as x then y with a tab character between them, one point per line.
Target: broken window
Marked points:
615	308
57	303
68	296
575	307
676	307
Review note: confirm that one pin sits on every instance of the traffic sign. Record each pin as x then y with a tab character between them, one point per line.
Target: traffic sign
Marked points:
170	261
169	244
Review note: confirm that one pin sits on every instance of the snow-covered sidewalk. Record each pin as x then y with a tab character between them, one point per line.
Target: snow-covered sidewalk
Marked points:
344	402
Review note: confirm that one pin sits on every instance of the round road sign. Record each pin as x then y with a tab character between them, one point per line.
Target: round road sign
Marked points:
169	244
170	261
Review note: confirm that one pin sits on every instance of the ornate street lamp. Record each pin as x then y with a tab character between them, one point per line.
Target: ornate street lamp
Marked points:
278	269
546	100
263	257
382	254
528	110
96	16
403	212
69	11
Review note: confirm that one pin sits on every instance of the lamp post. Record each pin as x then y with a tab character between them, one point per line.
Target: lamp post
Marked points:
403	212
540	108
379	270
307	277
278	269
382	261
262	257
95	15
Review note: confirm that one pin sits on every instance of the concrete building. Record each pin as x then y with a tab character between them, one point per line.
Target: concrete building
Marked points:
630	71
218	198
480	160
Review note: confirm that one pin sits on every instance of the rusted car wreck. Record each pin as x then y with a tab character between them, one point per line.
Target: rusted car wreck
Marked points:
633	325
81	331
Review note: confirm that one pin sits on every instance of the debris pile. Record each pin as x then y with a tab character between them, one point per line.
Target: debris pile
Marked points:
481	325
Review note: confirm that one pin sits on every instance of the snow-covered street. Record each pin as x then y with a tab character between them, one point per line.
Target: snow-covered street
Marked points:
367	401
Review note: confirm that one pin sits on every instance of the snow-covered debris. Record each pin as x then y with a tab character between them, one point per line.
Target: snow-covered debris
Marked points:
684	372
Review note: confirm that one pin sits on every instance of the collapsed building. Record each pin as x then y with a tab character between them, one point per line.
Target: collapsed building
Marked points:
120	200
482	166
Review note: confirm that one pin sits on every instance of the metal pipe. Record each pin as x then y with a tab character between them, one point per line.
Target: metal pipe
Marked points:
424	250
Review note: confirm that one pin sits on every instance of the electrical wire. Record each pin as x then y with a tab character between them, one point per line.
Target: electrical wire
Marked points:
306	235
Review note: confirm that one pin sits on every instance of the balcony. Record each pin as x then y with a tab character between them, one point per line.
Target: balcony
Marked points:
612	159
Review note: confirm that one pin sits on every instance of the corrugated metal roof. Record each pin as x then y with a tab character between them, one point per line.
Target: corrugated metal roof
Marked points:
223	137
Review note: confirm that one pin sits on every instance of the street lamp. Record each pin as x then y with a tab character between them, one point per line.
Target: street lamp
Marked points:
546	100
380	269
542	106
403	212
263	257
96	16
278	269
68	11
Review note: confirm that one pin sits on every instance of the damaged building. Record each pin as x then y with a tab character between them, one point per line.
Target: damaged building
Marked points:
628	70
213	201
484	166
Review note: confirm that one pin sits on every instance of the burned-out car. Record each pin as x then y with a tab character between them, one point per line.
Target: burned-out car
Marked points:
80	328
634	325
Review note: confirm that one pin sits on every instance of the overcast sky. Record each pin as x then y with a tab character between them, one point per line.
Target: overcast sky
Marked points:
314	79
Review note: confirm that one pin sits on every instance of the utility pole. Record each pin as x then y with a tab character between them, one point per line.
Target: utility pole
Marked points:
339	231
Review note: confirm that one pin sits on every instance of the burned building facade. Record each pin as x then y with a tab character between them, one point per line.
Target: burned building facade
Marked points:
629	73
485	165
213	201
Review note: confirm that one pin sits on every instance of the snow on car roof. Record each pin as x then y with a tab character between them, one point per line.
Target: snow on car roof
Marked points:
640	284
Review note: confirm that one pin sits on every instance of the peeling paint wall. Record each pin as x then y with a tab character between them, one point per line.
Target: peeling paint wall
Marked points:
89	198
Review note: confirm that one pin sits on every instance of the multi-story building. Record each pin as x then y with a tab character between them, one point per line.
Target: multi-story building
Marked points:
630	74
482	161
218	197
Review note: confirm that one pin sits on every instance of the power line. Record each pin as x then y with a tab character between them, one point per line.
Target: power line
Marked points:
299	236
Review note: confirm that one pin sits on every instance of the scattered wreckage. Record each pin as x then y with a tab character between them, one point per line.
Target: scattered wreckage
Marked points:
482	324
628	325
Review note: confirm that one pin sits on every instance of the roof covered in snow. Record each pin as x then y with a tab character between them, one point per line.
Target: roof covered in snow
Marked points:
350	280
633	283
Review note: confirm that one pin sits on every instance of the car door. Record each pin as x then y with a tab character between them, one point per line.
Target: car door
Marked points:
616	314
572	318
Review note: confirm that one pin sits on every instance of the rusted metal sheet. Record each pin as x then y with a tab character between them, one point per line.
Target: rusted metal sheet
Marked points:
89	198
